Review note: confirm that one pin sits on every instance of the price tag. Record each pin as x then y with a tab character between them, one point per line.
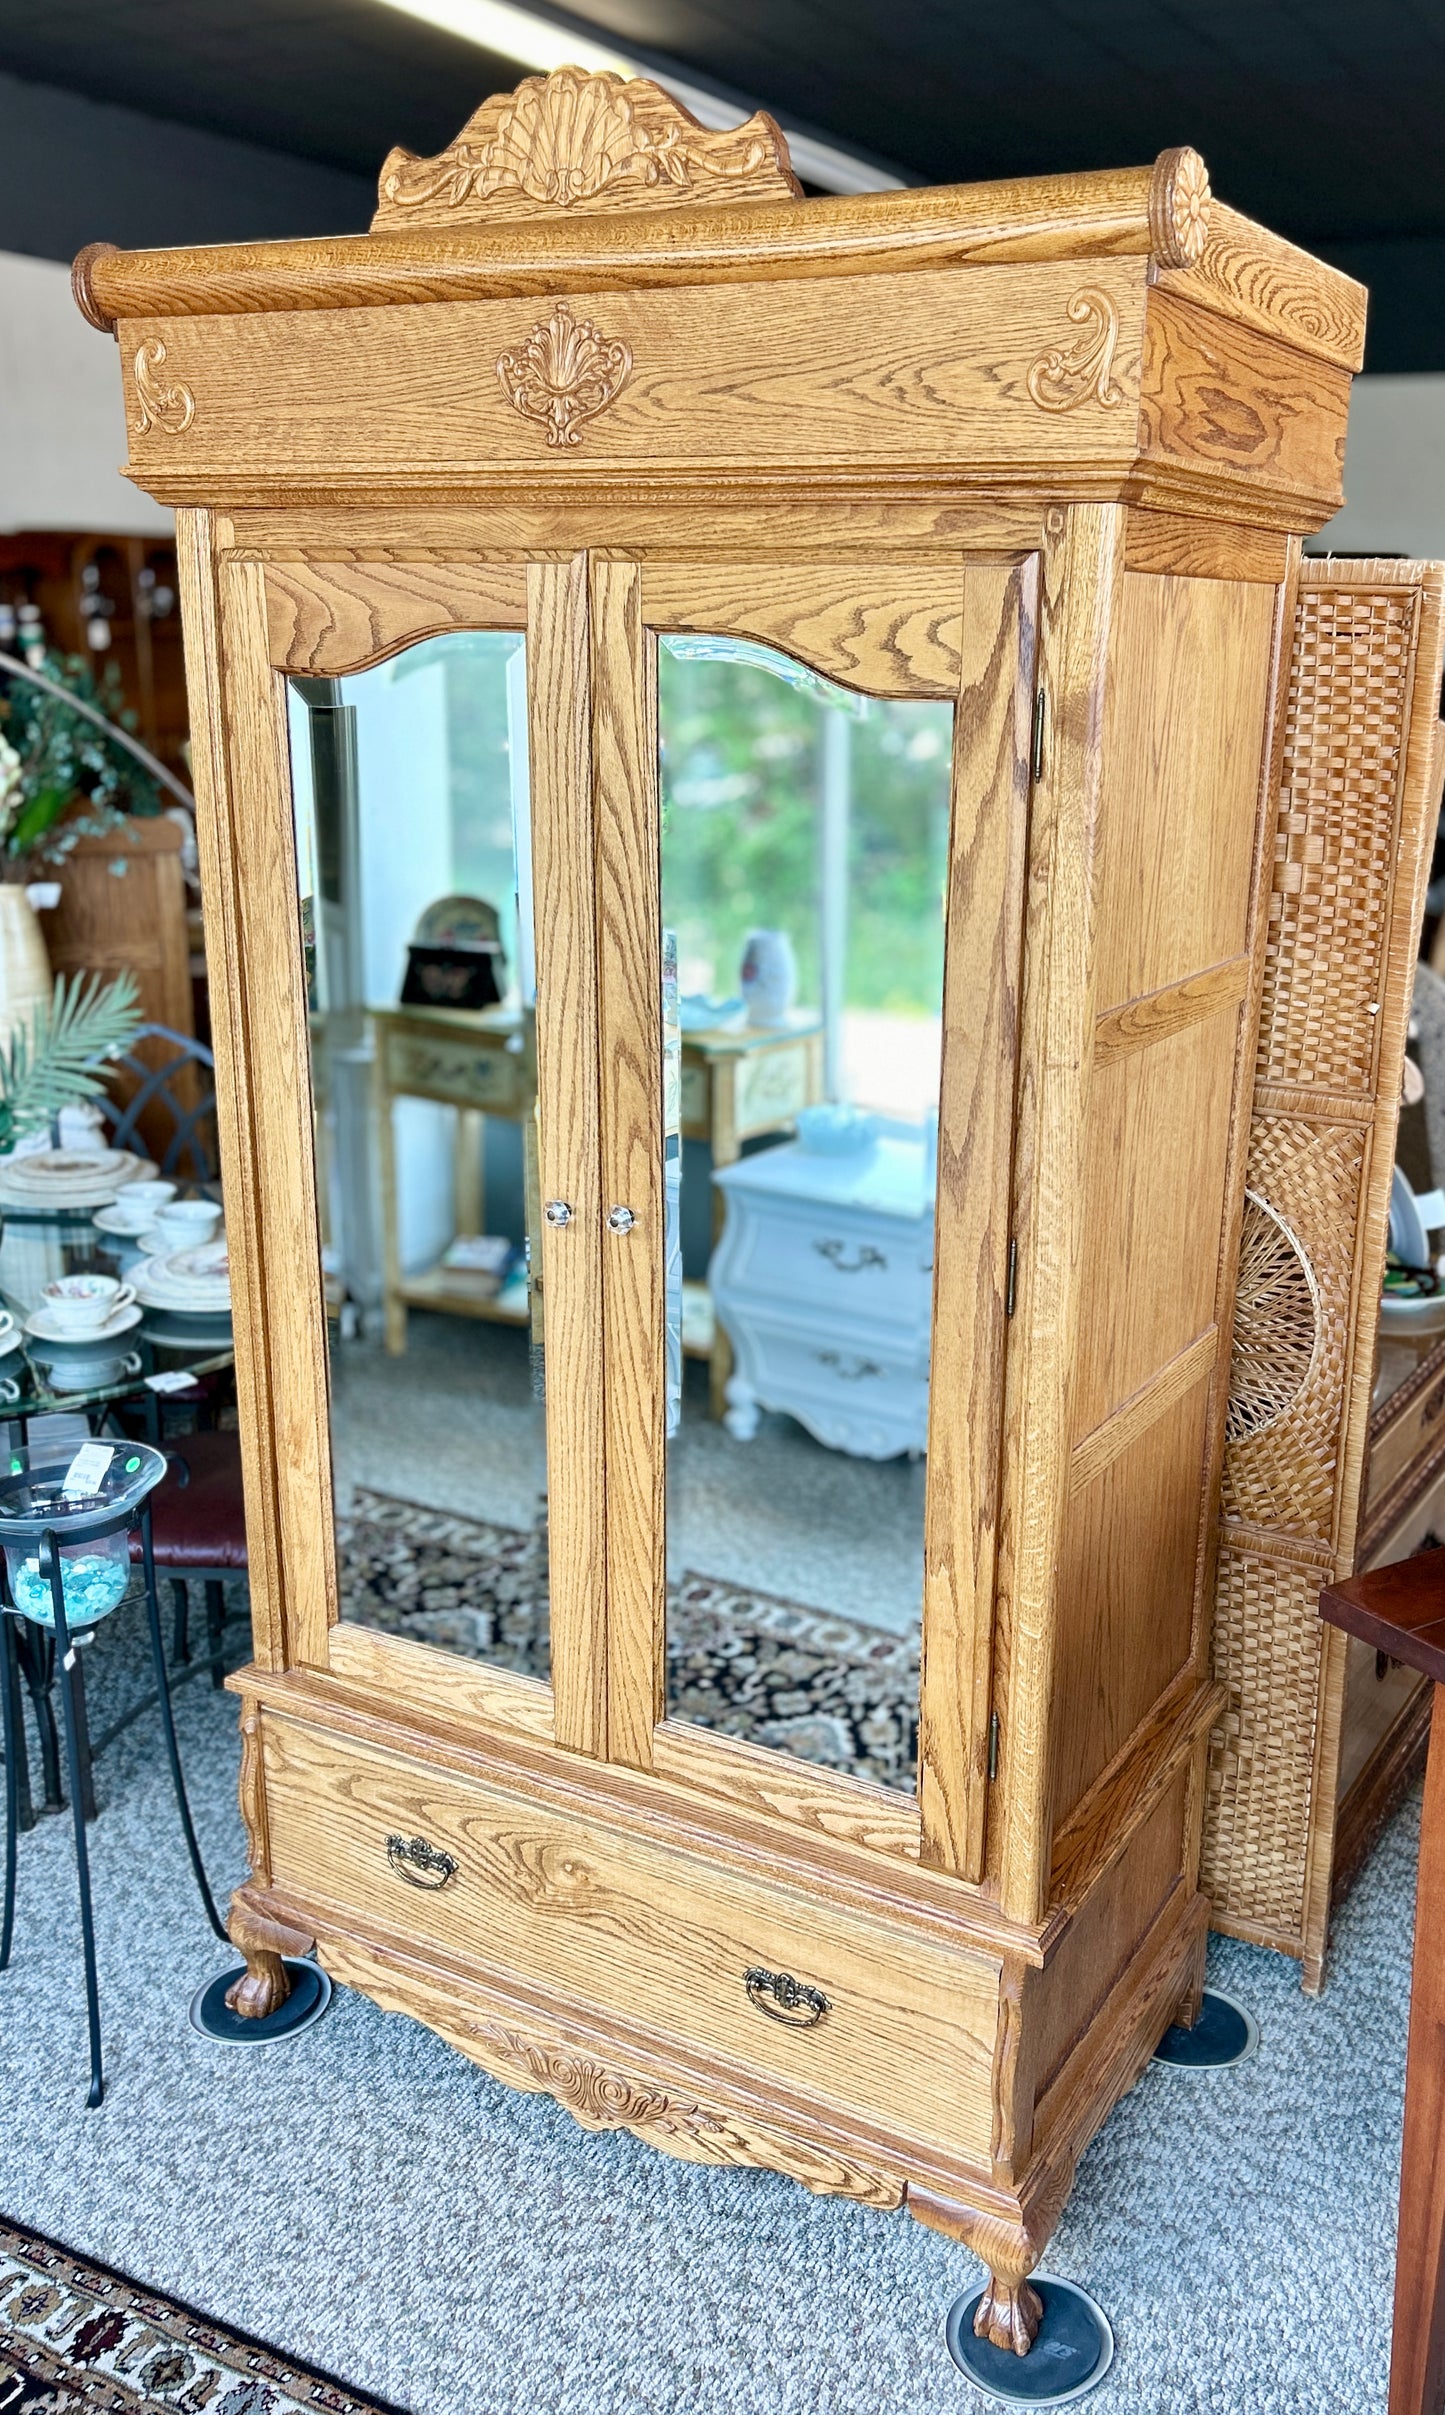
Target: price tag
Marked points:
174	1379
87	1471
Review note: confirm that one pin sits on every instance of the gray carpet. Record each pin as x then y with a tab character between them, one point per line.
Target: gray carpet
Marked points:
367	2199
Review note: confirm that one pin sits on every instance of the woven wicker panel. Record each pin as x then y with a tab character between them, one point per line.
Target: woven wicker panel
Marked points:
1355	816
1281	1460
1335	840
1267	1641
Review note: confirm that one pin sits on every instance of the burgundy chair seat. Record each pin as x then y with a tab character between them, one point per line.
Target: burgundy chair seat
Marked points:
201	1524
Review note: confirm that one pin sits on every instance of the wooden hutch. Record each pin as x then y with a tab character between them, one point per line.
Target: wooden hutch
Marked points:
1045	449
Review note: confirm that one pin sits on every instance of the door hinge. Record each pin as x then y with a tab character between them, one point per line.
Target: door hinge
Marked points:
1011	1287
993	1748
1040	711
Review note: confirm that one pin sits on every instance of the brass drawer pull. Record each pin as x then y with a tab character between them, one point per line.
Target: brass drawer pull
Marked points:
420	1864
784	1998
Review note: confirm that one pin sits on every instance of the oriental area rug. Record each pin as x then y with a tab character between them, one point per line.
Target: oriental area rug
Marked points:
79	2339
834	1692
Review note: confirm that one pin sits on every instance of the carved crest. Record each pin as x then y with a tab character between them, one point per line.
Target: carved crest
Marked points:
1071	374
606	2100
573	141
564	374
161	406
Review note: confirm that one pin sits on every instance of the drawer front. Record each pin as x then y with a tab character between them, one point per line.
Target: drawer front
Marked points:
850	1393
849	1272
455	1071
1419	1528
1412	1432
652	1934
772	1086
695	1099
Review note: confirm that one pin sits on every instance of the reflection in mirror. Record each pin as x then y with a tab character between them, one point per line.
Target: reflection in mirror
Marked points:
804	858
413	853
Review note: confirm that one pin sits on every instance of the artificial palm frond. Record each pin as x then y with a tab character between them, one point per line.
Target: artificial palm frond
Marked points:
55	1055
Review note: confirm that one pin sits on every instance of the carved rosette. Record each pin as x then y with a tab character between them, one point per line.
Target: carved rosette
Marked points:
161	406
1070	374
564	374
573	141
1179	200
605	2100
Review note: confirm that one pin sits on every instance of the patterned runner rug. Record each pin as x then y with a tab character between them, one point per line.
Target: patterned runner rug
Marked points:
773	1672
79	2339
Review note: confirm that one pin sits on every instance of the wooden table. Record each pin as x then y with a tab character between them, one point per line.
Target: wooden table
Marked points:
735	1085
1401	1611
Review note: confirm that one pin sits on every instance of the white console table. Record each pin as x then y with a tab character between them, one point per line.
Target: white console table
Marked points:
823	1279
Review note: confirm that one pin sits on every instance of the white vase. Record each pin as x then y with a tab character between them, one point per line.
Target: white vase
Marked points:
24	966
769	979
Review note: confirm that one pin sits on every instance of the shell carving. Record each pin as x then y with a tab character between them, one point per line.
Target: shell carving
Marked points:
1070	374
575	141
161	406
564	374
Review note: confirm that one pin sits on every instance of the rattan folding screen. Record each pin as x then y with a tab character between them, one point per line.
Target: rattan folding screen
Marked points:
1357	798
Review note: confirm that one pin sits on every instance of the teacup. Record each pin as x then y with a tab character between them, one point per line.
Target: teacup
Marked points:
82	1304
139	1204
74	1374
185	1223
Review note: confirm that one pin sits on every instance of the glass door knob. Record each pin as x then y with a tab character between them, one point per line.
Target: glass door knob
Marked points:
557	1211
620	1220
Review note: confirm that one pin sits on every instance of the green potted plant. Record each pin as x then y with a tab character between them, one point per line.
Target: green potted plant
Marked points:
57	1053
69	768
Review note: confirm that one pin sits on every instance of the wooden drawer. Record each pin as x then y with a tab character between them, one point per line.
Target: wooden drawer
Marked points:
461	1073
642	1931
1410	1427
1419	1526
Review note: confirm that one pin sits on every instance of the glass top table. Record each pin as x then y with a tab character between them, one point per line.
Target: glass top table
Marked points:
163	1351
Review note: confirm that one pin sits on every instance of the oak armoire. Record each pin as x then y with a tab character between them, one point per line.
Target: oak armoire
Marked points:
1035	458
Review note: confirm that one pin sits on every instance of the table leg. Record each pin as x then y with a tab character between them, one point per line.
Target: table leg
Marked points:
65	1654
168	1724
1417	2362
13	1711
14	1746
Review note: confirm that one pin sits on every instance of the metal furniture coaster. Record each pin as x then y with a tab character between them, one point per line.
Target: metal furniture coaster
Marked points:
65	1522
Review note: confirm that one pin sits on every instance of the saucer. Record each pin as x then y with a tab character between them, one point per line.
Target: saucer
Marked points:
106	1221
10	1339
42	1328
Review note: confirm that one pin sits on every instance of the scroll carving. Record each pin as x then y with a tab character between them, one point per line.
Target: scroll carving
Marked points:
604	2100
564	374
573	141
161	406
1071	374
253	1791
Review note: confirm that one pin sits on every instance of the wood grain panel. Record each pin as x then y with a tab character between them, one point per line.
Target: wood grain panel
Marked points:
220	891
327	618
1248	273
848	371
1195	548
441	1684
1183	736
1126	1593
273	1126
1081	570
823	1803
1221	400
1153	1181
642	1931
629	971
559	738
1095	1451
881	630
565	515
984	911
1142	1021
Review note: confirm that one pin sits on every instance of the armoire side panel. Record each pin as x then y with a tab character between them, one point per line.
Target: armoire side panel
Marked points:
1176	879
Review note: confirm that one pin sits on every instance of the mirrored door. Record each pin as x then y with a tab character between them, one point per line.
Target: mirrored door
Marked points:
812	797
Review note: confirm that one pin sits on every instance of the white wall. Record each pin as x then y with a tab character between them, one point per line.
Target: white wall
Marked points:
62	419
1394	470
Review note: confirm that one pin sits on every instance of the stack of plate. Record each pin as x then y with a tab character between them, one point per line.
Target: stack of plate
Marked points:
50	1182
186	1282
